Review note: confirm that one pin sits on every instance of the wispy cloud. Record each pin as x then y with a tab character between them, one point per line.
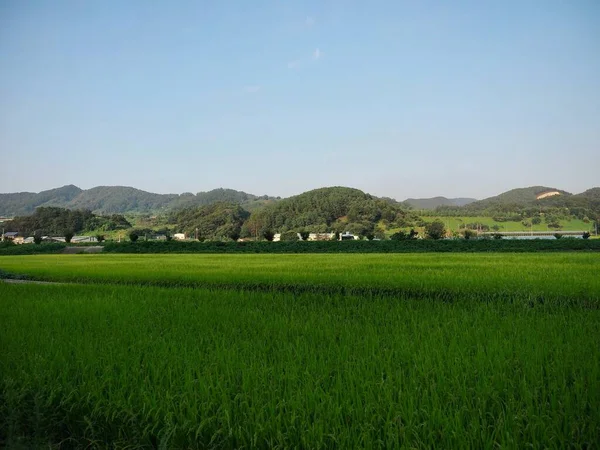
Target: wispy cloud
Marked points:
309	22
317	54
294	64
252	89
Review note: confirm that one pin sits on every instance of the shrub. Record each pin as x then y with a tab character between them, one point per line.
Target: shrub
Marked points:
268	235
468	234
68	236
100	237
304	235
558	236
435	230
585	235
289	236
133	236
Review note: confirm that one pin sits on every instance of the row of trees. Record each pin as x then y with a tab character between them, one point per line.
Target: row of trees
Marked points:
53	221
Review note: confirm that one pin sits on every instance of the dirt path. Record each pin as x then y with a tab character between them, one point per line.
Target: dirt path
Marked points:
76	250
11	281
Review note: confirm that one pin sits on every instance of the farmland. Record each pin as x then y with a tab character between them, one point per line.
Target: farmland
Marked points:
307	351
456	224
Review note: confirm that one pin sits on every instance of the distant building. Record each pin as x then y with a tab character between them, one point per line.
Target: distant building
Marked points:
321	236
10	235
179	236
346	236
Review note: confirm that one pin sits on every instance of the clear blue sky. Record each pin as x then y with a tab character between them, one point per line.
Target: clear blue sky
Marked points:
398	98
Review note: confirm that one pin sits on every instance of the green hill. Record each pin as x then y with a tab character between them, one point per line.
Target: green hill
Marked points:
23	203
519	197
327	209
216	220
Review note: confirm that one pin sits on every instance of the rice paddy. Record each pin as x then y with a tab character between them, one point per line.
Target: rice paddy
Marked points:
301	351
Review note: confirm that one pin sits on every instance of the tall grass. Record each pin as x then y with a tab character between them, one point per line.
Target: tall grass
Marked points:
143	367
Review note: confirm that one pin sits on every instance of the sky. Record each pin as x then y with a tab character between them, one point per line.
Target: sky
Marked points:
397	98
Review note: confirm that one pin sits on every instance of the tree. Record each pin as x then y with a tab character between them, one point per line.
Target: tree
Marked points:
399	236
268	235
68	236
586	235
234	235
468	234
289	236
37	238
304	235
558	235
100	237
133	236
435	230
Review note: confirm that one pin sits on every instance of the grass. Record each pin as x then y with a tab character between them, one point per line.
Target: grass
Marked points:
301	351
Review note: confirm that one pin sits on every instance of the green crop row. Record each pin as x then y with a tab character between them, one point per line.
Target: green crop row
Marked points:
565	277
109	366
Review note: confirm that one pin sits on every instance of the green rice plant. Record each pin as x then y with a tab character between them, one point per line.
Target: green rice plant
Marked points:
552	277
108	366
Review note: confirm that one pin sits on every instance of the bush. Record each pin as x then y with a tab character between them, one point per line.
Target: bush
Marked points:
100	237
289	236
268	235
468	234
558	236
435	230
304	235
406	246
133	236
585	235
68	236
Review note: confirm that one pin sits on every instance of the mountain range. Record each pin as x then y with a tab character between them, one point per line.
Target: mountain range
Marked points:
122	199
434	202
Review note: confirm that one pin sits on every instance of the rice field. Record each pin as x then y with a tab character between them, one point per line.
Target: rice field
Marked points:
301	351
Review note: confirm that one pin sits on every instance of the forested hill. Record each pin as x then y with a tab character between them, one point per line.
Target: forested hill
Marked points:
519	197
527	202
328	209
120	199
24	203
